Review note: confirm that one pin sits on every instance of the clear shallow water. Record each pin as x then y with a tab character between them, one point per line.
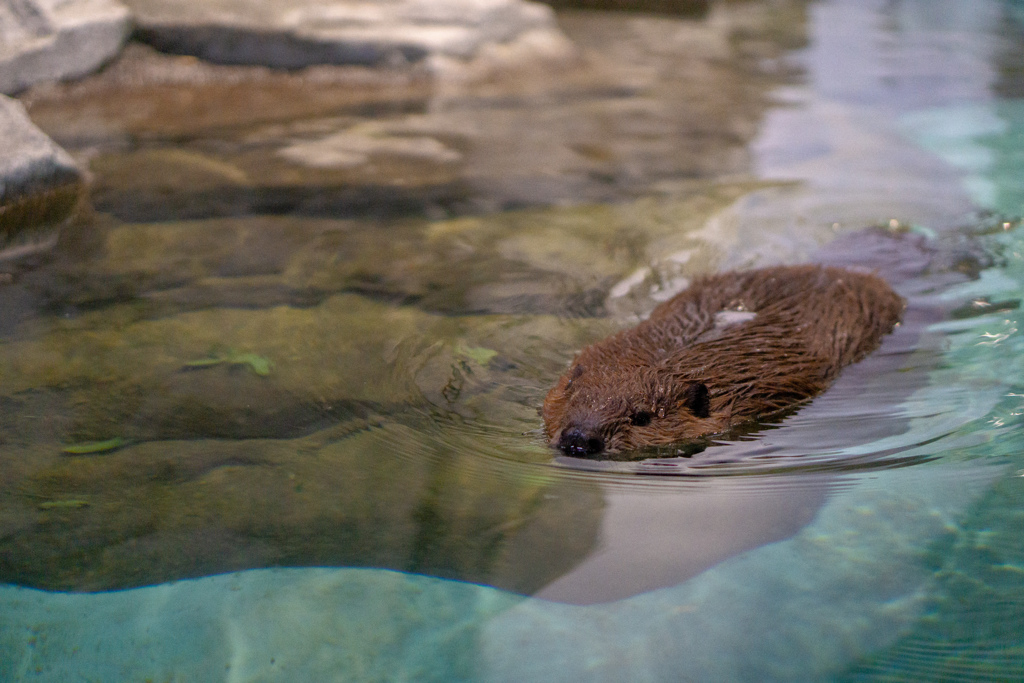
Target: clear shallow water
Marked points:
875	534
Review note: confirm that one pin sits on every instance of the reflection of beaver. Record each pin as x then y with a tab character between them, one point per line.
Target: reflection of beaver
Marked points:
729	349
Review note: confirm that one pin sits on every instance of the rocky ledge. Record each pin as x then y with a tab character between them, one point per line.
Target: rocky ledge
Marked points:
431	48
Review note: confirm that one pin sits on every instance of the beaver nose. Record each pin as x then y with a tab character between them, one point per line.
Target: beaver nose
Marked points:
575	442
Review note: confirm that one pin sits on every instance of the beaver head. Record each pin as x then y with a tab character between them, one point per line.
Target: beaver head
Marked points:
612	408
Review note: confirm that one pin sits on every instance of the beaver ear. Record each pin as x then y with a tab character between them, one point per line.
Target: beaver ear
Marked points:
695	397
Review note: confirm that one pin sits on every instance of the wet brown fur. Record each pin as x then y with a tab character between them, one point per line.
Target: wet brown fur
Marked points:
645	386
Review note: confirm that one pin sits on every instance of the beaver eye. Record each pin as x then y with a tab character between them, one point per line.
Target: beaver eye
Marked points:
640	419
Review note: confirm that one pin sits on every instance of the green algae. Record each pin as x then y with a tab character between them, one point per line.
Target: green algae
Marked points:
92	447
477	354
72	504
258	364
204	362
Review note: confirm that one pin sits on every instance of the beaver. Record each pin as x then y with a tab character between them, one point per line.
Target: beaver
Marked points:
731	348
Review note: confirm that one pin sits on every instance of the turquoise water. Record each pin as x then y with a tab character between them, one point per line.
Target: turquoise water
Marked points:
874	535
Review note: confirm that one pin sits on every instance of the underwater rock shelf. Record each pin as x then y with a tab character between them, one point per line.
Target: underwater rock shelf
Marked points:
310	624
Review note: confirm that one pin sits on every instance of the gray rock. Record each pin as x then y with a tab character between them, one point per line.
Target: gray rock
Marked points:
29	161
44	40
39	182
293	34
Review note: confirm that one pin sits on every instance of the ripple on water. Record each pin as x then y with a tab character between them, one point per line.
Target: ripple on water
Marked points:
927	396
903	405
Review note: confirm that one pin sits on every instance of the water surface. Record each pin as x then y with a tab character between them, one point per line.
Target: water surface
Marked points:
301	374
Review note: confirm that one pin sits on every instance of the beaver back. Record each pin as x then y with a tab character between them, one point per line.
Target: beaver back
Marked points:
730	348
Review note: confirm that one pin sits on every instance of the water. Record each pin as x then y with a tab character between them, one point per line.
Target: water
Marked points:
342	399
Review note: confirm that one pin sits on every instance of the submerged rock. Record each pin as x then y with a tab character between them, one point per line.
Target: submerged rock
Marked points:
145	94
288	34
55	39
154	184
632	101
368	493
39	182
576	261
275	372
359	422
343	150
